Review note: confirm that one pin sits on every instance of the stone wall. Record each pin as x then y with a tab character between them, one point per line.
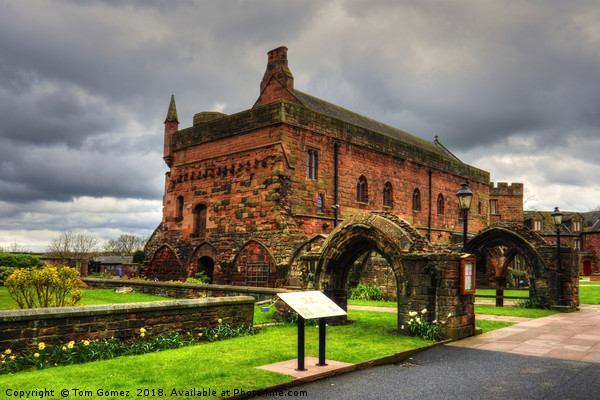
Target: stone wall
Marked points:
510	202
20	329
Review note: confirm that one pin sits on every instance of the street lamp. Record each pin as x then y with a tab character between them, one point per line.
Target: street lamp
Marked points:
464	196
557	217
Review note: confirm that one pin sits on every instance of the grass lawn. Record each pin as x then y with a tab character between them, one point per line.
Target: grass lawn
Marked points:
513	311
492	325
512	293
589	283
90	297
373	303
223	365
589	294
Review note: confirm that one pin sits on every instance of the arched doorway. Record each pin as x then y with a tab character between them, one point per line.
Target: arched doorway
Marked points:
206	267
203	261
359	235
165	265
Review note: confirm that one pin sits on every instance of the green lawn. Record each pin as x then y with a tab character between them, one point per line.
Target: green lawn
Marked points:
589	294
512	311
90	297
373	303
589	283
512	293
492	325
224	365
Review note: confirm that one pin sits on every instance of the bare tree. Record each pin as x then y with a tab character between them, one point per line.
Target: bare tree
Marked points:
530	201
75	245
125	244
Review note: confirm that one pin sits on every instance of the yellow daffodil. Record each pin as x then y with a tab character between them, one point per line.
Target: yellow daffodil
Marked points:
64	348
8	351
216	336
200	334
41	346
2	356
219	320
12	358
71	344
86	343
142	330
3	361
142	334
36	355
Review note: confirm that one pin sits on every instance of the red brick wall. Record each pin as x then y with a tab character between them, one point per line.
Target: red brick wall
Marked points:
510	202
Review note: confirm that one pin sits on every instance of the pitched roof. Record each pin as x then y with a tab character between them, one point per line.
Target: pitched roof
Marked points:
342	114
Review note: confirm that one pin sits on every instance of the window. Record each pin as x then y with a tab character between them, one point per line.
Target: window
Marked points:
179	210
440	204
537	225
320	202
493	206
576	226
200	219
577	244
388	199
479	208
362	190
416	206
312	164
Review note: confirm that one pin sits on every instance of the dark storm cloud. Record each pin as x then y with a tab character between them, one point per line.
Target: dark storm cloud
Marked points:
85	86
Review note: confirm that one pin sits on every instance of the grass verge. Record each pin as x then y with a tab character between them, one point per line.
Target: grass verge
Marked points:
224	365
492	325
90	297
589	294
512	311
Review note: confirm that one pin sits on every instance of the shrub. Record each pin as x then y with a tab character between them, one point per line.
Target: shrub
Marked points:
200	278
417	326
513	276
365	292
540	299
19	260
138	257
44	287
5	272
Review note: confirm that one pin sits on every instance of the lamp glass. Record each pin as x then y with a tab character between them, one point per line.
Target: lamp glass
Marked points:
557	216
464	196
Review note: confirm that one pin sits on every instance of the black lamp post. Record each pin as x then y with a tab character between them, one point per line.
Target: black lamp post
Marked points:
557	217
464	196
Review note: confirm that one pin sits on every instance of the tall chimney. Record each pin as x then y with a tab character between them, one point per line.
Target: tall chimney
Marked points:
277	82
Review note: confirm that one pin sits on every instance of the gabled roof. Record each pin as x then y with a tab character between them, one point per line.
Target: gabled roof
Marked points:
342	114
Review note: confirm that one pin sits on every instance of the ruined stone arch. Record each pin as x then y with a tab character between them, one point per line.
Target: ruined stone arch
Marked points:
302	263
518	239
380	232
203	259
254	265
166	264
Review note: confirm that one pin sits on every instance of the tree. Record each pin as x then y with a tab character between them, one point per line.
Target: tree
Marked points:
75	245
125	244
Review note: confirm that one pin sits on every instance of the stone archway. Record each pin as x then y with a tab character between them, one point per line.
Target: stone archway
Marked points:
203	259
383	233
540	258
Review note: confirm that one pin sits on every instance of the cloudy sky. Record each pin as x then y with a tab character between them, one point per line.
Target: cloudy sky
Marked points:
512	87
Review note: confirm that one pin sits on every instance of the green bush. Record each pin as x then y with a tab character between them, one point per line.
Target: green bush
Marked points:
513	276
540	299
19	260
43	287
5	272
365	292
200	278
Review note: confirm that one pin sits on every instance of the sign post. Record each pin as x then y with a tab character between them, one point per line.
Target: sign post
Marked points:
311	305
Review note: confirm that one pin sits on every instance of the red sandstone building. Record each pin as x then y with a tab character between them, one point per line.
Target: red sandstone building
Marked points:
246	191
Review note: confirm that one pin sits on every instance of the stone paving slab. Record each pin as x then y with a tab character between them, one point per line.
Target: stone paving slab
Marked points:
569	336
310	364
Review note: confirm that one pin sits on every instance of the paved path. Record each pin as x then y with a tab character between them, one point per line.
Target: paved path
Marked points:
571	336
551	358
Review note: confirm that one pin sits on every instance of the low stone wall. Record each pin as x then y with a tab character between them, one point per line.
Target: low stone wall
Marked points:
185	290
20	329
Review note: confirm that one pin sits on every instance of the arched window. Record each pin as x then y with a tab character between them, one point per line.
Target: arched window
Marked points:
320	202
416	200
388	195
200	219
440	204
179	209
362	190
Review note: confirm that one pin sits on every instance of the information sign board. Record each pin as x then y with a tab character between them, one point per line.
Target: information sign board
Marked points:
311	305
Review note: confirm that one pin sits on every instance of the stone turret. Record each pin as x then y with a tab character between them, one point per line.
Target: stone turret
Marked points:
171	126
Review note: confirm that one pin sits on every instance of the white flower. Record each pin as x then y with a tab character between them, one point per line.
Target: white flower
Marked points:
449	315
424	311
434	321
412	313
